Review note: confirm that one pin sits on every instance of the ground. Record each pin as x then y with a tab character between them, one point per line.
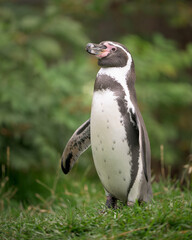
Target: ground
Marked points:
75	210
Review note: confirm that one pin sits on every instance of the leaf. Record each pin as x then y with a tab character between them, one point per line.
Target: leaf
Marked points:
30	23
66	29
46	46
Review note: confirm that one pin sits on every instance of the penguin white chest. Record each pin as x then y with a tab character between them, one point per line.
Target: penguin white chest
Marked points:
110	148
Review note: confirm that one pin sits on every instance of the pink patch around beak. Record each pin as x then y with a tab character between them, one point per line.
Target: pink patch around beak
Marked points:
103	53
106	51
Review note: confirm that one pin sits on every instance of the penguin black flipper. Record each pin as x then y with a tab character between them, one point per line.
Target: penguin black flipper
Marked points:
77	144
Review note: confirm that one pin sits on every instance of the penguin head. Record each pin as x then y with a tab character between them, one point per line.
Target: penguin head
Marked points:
109	54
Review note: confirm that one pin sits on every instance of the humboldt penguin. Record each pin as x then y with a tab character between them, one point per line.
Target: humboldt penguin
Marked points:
115	130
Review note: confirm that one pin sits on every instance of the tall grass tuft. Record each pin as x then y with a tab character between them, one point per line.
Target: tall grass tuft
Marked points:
7	192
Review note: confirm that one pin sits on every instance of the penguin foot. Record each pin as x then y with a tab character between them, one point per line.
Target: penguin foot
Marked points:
130	204
111	202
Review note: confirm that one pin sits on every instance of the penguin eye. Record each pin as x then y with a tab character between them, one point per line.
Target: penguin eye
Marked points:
113	49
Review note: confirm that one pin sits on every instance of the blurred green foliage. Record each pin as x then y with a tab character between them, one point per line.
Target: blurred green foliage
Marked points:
164	93
46	78
43	69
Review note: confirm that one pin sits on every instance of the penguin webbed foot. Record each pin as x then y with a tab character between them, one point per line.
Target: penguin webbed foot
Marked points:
130	204
138	202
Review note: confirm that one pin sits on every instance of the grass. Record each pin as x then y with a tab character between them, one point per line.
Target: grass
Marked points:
75	210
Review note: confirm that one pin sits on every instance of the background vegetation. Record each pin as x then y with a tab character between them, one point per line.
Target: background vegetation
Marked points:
46	85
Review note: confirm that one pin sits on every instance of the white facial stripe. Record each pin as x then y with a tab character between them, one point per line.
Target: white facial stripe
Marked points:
117	45
119	74
127	53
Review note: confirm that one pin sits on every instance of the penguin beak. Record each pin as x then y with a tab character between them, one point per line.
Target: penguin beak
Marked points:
95	49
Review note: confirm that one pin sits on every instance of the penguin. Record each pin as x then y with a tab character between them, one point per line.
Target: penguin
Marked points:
115	131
